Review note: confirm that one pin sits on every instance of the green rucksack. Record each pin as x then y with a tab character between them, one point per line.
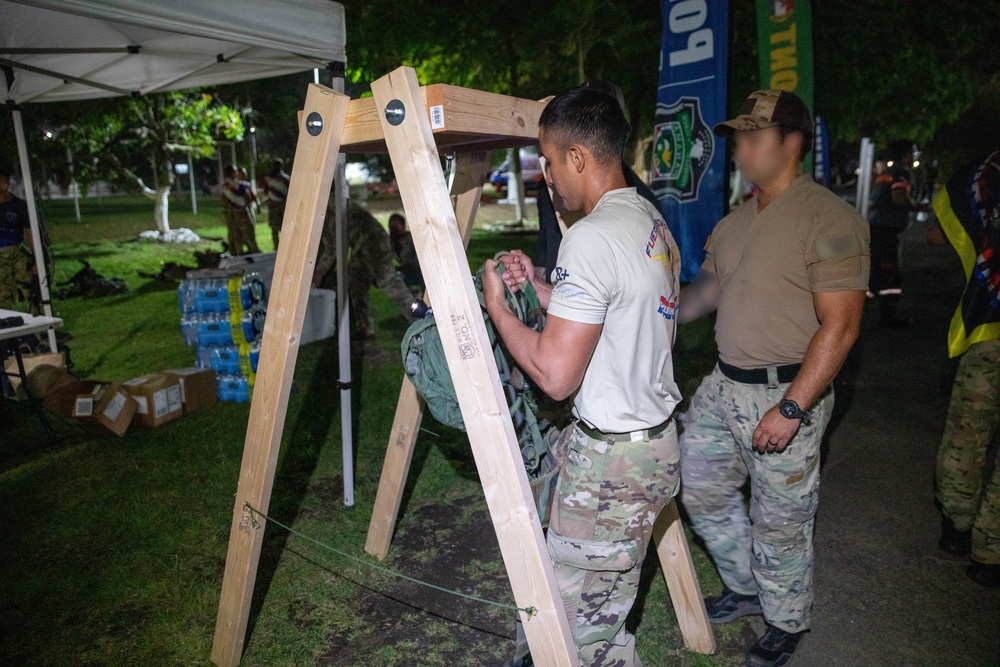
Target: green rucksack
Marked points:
427	368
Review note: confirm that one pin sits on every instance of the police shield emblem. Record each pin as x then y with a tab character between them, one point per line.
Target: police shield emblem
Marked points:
682	149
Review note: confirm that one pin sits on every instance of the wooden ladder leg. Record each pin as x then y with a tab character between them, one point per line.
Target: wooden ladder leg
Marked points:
321	128
473	369
682	580
471	170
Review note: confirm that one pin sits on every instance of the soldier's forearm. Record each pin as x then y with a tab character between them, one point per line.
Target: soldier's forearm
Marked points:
827	351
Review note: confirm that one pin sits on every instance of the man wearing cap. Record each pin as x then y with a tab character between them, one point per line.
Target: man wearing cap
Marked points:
787	272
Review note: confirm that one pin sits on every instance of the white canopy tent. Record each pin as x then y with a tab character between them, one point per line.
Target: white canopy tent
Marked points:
62	50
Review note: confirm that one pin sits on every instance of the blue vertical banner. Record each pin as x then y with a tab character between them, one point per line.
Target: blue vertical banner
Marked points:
821	168
689	162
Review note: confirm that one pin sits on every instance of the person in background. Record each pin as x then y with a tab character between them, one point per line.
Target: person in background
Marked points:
237	199
276	194
369	264
404	251
968	491
549	231
888	216
15	230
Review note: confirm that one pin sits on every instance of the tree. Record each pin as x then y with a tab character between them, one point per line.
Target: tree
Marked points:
119	134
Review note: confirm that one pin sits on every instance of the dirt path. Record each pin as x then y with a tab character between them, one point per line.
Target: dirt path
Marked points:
885	595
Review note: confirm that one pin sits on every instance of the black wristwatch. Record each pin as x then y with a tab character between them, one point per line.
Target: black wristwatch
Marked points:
789	409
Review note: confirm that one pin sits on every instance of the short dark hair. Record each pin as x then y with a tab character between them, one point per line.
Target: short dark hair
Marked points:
590	118
397	216
230	170
807	139
276	166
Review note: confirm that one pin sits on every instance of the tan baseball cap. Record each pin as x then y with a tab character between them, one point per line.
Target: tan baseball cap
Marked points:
769	108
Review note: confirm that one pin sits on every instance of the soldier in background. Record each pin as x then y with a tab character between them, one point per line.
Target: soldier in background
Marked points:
968	210
237	200
405	251
276	194
15	229
888	216
369	263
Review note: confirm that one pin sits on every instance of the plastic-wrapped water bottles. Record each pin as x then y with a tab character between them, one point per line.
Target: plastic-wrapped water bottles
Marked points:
231	359
223	315
220	294
234	388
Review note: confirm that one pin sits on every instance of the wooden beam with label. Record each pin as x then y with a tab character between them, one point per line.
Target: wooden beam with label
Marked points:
321	126
441	252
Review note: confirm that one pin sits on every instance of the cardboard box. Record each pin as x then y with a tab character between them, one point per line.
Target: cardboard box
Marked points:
157	399
199	388
103	407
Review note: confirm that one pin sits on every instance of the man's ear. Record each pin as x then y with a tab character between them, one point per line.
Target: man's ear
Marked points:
578	156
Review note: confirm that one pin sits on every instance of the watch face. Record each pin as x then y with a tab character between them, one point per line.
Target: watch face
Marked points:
789	409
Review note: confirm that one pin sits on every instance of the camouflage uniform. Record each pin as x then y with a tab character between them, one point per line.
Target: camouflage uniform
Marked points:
973	418
607	497
369	263
276	191
770	553
236	198
14	278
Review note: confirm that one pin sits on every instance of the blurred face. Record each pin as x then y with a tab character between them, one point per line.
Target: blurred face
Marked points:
4	186
762	156
562	171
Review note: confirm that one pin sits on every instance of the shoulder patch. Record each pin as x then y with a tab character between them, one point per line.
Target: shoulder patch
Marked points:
842	245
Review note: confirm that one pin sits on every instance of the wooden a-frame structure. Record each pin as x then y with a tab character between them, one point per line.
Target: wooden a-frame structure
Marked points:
411	123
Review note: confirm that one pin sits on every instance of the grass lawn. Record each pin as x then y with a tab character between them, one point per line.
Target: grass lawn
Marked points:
114	549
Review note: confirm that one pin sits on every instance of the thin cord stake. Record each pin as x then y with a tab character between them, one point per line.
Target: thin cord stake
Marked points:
530	611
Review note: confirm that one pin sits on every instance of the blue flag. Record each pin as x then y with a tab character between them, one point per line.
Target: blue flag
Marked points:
689	162
821	167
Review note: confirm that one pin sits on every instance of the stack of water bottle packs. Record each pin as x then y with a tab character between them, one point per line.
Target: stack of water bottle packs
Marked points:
222	315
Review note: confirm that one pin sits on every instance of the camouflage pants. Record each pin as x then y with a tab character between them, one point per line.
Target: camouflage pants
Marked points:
275	215
366	270
973	417
242	239
769	553
14	279
607	498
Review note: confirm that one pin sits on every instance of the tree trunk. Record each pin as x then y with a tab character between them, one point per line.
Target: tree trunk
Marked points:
161	208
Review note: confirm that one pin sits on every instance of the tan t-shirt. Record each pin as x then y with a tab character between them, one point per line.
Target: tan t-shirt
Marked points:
619	266
769	265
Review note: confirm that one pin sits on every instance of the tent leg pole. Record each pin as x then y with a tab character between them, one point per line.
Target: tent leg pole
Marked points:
340	190
344	332
36	237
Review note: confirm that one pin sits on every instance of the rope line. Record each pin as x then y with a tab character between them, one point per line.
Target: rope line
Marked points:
530	611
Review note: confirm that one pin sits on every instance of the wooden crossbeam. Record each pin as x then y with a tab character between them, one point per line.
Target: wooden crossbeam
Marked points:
471	170
320	130
467	349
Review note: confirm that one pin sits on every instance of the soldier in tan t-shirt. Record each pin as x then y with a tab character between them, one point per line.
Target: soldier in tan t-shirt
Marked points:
787	272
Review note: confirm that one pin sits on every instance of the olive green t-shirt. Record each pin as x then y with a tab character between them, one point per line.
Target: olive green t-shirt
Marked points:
769	264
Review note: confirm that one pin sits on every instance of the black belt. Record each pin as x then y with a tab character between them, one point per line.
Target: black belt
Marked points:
759	375
642	434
